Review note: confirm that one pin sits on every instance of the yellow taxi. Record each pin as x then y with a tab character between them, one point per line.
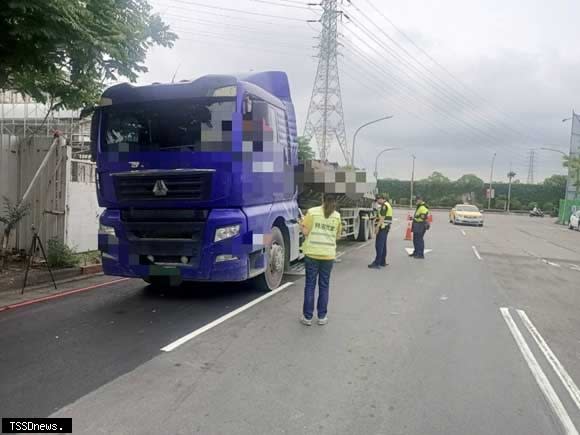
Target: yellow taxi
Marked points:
466	214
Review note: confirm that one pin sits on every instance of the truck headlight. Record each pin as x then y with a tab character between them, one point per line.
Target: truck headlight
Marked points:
226	232
107	230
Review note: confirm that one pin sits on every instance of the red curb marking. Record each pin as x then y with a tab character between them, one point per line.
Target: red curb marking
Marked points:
60	295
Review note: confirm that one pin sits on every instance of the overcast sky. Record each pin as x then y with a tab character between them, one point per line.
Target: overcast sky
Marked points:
512	70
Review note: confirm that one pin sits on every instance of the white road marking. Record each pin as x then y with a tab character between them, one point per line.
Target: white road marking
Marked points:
576	268
476	253
539	375
443	298
463	232
361	246
410	250
198	332
550	263
552	359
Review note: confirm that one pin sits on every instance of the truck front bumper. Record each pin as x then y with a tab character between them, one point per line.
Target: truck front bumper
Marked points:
125	254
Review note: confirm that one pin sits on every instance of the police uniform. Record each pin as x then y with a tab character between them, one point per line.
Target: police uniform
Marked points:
419	228
383	223
319	250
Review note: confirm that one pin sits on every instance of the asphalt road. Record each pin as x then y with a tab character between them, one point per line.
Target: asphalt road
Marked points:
422	347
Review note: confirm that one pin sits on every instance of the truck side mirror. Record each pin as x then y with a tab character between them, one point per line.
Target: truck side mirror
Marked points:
247	106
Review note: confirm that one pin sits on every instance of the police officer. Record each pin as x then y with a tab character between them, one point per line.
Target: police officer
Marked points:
420	226
383	223
322	227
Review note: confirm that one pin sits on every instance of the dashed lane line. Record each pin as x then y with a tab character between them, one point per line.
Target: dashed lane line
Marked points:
476	253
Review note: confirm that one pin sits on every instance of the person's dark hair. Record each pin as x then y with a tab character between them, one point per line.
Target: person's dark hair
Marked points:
329	204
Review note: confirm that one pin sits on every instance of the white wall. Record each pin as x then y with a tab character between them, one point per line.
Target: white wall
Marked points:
82	225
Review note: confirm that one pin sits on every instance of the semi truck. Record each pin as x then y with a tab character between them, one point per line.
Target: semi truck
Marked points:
200	181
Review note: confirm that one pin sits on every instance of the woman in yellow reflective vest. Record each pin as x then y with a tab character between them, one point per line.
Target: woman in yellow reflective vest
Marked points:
321	227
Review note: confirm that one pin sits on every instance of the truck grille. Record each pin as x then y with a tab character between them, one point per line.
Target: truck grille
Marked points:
192	185
166	234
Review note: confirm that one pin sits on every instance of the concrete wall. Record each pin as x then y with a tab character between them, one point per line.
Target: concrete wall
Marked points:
83	212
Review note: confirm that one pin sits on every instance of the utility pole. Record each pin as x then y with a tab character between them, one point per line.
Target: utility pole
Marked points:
490	182
511	174
531	167
412	181
325	119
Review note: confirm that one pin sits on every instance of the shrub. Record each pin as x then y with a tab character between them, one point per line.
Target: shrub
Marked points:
60	255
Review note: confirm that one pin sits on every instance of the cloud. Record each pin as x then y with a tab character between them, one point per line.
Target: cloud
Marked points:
515	56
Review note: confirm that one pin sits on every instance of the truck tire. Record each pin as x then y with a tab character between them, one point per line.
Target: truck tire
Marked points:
362	229
275	263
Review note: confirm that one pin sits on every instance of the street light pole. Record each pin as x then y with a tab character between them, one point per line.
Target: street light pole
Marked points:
376	166
412	181
490	182
359	129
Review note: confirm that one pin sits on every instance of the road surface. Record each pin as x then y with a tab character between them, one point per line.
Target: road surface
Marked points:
440	346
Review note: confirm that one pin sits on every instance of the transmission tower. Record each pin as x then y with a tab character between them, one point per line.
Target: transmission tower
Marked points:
531	167
325	120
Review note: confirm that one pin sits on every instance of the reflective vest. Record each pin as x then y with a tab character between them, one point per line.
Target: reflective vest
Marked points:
386	212
421	213
321	241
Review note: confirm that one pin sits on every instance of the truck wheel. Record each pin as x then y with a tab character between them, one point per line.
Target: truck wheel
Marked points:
275	263
362	230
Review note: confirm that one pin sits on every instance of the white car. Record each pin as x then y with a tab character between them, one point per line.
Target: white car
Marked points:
575	221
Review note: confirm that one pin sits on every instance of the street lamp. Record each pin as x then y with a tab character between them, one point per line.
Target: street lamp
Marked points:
412	180
490	182
377	161
359	129
554	150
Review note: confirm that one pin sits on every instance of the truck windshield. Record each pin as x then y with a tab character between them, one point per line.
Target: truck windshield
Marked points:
176	125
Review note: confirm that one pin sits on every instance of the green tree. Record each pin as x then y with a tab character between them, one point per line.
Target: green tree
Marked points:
438	177
573	164
305	151
61	52
556	181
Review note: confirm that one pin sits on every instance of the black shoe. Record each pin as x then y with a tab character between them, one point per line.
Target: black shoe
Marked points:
383	265
412	255
419	257
374	266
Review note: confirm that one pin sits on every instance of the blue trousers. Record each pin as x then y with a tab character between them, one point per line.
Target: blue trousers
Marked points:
419	242
316	269
381	247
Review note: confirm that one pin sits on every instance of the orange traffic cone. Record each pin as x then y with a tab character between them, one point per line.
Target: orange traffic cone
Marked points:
409	233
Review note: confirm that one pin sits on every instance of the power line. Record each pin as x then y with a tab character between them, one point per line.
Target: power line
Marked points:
442	92
357	52
238	11
443	68
292	5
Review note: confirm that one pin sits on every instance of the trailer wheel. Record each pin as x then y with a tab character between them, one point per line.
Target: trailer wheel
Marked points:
275	263
362	229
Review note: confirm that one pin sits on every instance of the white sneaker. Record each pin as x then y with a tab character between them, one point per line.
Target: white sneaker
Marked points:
323	321
305	321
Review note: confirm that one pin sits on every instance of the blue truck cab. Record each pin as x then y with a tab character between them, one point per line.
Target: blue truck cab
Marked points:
197	179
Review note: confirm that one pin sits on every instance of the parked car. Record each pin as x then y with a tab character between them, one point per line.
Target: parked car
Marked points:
575	221
466	214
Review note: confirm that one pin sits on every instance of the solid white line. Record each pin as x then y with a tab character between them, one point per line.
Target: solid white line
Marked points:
476	253
198	332
463	232
539	375
360	247
552	359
